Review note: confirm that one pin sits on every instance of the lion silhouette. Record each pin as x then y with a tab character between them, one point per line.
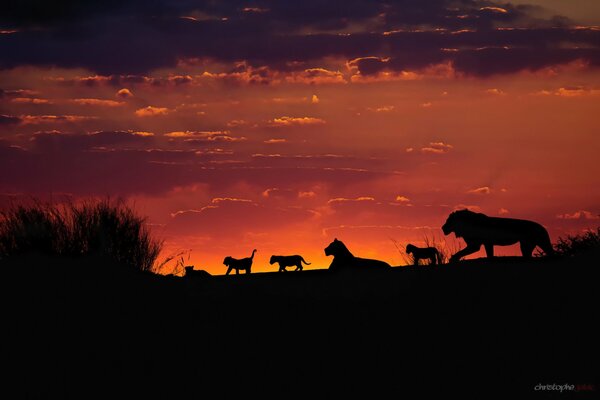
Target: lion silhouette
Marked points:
191	272
478	229
288	261
424	253
343	259
237	264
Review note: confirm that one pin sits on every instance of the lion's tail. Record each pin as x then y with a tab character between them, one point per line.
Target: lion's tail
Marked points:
302	259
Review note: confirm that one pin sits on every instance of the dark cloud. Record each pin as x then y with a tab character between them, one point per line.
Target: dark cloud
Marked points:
132	37
66	142
9	120
217	218
124	163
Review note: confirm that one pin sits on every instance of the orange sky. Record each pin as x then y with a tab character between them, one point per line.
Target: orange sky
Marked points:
225	156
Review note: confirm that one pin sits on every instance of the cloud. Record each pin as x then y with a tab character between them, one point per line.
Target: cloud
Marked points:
278	193
97	102
306	194
494	10
295	121
9	120
42	119
8	94
495	92
570	91
217	218
402	199
484	190
342	200
301	35
204	136
236	122
275	141
382	109
436	148
316	76
579	215
67	142
124	93
151	111
29	100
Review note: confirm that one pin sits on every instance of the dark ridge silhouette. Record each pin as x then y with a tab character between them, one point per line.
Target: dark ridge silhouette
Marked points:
343	259
88	326
239	264
478	229
424	253
288	261
500	325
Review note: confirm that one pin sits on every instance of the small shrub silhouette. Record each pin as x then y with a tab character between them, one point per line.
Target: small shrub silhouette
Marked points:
99	228
587	243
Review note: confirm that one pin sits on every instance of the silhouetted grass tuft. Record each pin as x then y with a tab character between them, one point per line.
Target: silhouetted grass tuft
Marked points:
444	247
101	228
587	243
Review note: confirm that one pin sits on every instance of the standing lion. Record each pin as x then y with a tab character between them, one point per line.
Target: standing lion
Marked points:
478	229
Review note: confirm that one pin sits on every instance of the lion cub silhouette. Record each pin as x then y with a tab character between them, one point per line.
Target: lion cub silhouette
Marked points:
288	261
424	253
238	264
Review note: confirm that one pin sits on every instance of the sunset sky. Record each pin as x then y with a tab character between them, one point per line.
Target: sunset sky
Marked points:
281	125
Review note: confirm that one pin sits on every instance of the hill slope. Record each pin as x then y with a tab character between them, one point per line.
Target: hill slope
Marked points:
82	329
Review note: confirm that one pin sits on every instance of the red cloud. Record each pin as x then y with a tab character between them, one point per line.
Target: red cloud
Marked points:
480	190
581	214
124	93
295	121
97	102
151	111
437	148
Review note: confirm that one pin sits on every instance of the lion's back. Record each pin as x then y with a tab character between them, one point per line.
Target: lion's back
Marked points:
370	263
501	228
289	260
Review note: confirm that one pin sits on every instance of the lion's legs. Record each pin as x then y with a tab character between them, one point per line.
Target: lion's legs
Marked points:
527	249
228	271
489	250
470	249
299	267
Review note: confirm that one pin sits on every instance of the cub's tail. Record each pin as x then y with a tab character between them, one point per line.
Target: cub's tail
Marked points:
302	259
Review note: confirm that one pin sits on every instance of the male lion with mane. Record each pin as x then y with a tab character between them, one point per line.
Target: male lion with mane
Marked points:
478	229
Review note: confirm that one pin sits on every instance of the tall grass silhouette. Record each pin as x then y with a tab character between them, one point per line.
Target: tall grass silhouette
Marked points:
107	229
444	247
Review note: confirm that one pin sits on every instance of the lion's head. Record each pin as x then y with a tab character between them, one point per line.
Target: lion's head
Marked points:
335	248
410	248
272	260
227	261
461	222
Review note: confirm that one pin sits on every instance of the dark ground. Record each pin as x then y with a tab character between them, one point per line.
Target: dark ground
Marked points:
79	329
